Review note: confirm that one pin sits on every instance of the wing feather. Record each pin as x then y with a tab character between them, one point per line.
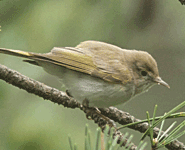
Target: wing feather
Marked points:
98	59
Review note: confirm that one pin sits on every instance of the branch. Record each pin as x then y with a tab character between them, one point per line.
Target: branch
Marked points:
125	118
52	94
59	97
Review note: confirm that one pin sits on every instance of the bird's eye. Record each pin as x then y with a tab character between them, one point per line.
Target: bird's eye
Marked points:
144	73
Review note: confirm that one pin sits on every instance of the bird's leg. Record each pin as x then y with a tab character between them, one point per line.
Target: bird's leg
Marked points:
94	110
86	108
68	93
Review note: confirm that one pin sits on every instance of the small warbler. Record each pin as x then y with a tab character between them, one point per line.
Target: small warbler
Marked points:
104	74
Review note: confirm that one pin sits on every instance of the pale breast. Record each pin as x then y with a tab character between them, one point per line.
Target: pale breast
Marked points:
100	93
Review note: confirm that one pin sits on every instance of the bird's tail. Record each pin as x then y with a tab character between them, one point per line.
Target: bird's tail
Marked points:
16	52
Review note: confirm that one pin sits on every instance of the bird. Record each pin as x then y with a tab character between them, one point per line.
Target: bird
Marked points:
103	74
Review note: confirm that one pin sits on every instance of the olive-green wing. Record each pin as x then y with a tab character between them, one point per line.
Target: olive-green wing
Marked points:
82	60
98	59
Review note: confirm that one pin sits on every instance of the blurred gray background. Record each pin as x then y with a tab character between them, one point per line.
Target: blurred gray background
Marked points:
158	27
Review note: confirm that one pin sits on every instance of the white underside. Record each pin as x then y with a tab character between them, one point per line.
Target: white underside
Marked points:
99	92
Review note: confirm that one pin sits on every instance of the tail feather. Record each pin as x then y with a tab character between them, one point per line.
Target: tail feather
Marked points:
31	62
16	53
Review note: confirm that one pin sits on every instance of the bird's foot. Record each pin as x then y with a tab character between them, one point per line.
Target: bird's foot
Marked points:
69	93
92	112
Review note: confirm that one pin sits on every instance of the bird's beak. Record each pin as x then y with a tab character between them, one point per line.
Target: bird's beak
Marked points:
161	82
